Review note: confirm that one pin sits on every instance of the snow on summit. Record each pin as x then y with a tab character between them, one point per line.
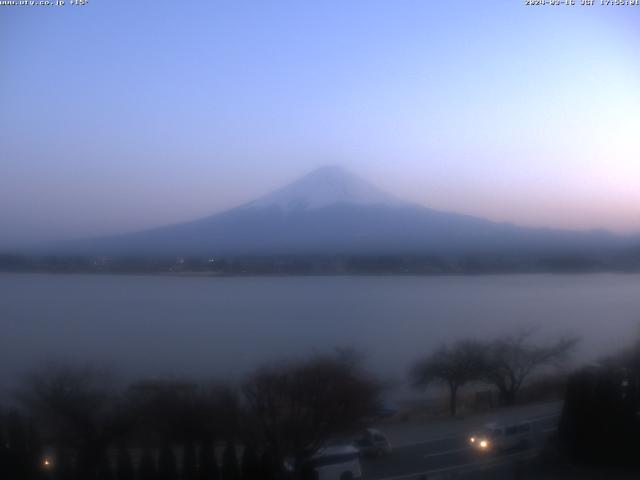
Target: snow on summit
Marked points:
323	187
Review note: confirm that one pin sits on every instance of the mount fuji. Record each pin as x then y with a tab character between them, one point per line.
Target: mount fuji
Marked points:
331	211
325	187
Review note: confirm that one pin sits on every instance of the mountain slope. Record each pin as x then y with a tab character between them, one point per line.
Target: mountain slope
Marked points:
331	211
324	187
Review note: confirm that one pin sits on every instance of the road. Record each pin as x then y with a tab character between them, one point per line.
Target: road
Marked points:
438	449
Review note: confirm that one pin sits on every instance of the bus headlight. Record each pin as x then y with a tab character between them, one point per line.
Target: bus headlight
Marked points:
484	444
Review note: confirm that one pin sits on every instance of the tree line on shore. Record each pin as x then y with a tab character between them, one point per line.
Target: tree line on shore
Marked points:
75	423
396	264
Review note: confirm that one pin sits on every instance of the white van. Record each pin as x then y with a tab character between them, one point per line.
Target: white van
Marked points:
494	437
372	443
336	463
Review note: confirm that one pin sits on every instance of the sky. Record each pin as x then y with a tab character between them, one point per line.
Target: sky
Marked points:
117	116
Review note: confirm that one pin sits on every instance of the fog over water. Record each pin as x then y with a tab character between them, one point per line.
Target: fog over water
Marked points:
224	327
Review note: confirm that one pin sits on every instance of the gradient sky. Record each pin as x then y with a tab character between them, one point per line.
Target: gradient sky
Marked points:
123	115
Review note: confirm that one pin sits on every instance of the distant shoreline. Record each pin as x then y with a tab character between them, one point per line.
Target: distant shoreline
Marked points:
193	274
324	265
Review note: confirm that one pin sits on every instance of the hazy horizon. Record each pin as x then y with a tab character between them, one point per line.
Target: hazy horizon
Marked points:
337	172
119	117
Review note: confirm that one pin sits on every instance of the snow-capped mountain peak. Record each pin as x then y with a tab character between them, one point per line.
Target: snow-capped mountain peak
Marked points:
333	212
323	187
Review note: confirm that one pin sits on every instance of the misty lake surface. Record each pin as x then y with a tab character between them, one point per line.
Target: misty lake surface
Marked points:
205	327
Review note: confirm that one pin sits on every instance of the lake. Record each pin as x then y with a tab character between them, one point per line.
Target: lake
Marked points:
225	327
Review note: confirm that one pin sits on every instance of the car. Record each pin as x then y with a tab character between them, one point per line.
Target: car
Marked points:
495	437
372	443
337	462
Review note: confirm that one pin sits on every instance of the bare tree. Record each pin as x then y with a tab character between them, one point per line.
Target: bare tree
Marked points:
183	412
299	406
511	360
20	447
453	366
207	465
77	407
